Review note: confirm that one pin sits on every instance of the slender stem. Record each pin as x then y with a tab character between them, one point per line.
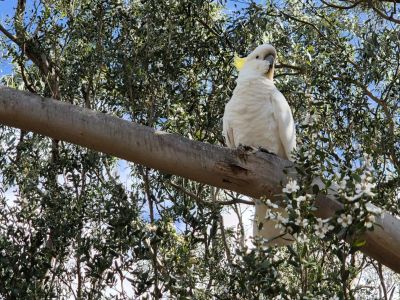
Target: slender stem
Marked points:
198	199
149	196
341	7
383	15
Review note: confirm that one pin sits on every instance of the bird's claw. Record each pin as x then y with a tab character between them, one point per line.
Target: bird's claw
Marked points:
266	150
246	149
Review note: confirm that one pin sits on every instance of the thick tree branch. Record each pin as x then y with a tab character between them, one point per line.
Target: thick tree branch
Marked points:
255	175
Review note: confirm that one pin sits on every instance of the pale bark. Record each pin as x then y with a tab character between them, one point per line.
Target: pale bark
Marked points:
254	175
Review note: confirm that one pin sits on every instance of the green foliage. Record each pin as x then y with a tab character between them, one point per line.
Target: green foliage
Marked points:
73	224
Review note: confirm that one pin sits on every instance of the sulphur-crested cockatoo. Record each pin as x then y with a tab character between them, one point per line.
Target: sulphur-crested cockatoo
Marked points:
259	116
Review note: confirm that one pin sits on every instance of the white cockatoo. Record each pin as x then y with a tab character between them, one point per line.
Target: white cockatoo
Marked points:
259	116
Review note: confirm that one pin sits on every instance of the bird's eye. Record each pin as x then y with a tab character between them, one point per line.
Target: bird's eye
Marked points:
257	57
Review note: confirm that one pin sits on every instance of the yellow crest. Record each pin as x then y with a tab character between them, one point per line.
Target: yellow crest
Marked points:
238	62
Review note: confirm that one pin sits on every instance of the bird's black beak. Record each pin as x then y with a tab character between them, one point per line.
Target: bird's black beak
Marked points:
270	58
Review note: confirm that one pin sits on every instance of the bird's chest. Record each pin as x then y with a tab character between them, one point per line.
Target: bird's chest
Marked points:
251	115
254	110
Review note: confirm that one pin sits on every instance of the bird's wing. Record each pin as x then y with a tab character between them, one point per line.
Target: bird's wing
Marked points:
229	137
283	115
227	131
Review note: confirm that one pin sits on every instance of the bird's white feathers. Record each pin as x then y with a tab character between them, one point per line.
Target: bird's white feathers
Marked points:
258	115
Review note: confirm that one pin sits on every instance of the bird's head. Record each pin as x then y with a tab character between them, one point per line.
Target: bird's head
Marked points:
260	62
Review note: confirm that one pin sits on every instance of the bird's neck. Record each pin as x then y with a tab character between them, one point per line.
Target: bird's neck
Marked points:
253	77
255	74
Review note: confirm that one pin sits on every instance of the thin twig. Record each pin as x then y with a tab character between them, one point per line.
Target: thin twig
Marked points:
8	34
287	74
386	111
288	66
383	15
341	7
214	194
198	199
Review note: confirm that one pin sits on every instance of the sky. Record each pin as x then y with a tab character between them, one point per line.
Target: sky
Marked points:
6	9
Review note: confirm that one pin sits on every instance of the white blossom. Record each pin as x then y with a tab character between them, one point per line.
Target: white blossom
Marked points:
319	231
308	154
301	222
353	198
270	204
282	221
291	187
322	227
342	184
345	220
364	188
270	215
369	221
301	238
300	198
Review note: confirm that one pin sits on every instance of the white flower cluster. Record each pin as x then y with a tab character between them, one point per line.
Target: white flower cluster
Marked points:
371	213
291	187
368	215
345	220
365	186
281	221
369	221
322	227
301	237
362	188
270	204
300	199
